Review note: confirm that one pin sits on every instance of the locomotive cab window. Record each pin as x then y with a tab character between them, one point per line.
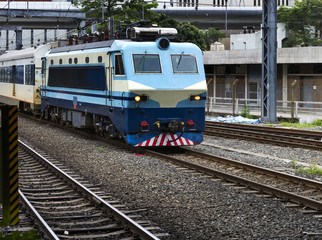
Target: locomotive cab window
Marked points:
146	63
184	63
118	64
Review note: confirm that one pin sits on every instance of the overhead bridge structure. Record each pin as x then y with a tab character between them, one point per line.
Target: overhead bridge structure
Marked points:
222	18
34	23
42	18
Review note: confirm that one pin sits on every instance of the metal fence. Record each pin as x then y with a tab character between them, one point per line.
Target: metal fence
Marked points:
285	109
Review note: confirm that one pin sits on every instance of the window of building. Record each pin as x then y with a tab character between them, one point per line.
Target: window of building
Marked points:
52	62
70	61
293	68
99	59
75	60
147	63
87	59
60	61
317	69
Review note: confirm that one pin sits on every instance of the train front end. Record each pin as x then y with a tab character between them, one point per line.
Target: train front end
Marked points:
166	92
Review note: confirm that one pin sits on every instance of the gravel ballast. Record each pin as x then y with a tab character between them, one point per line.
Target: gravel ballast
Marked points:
182	204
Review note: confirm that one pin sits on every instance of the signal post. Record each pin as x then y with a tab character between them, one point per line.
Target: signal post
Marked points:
9	196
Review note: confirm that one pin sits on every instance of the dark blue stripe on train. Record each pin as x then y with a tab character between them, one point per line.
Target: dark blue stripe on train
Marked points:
127	120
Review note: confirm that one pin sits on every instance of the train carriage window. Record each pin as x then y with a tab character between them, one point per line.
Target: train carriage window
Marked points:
2	74
146	63
30	74
18	74
184	63
7	77
10	74
119	66
43	66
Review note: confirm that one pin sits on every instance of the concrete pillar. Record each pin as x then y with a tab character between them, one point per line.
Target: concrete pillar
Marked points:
18	38
31	37
7	39
45	35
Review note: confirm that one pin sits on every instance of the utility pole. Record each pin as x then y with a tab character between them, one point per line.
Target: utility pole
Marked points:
142	10
269	63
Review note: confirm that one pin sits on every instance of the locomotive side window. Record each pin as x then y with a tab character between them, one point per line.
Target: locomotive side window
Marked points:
89	77
119	66
146	63
30	74
184	63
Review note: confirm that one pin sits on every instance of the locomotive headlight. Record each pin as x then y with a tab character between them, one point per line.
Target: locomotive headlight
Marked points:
195	98
140	98
137	98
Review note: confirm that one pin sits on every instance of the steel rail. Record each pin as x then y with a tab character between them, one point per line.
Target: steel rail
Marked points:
276	130
286	176
40	221
125	220
283	140
254	185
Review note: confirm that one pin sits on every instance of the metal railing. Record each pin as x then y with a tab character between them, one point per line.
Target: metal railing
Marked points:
287	109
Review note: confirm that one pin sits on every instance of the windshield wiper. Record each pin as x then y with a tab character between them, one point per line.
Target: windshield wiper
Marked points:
180	59
142	58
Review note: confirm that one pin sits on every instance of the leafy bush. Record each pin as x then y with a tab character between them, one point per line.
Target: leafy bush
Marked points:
31	235
245	112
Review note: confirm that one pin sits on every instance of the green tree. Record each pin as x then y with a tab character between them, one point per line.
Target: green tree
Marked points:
94	9
213	35
303	20
118	9
165	21
189	33
132	10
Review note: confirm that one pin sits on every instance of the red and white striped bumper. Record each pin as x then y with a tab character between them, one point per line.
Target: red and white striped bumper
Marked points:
166	140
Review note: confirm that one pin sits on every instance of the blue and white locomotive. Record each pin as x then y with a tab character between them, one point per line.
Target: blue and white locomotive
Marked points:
151	93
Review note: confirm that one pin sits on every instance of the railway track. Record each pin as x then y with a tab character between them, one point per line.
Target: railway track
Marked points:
297	191
67	207
279	136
